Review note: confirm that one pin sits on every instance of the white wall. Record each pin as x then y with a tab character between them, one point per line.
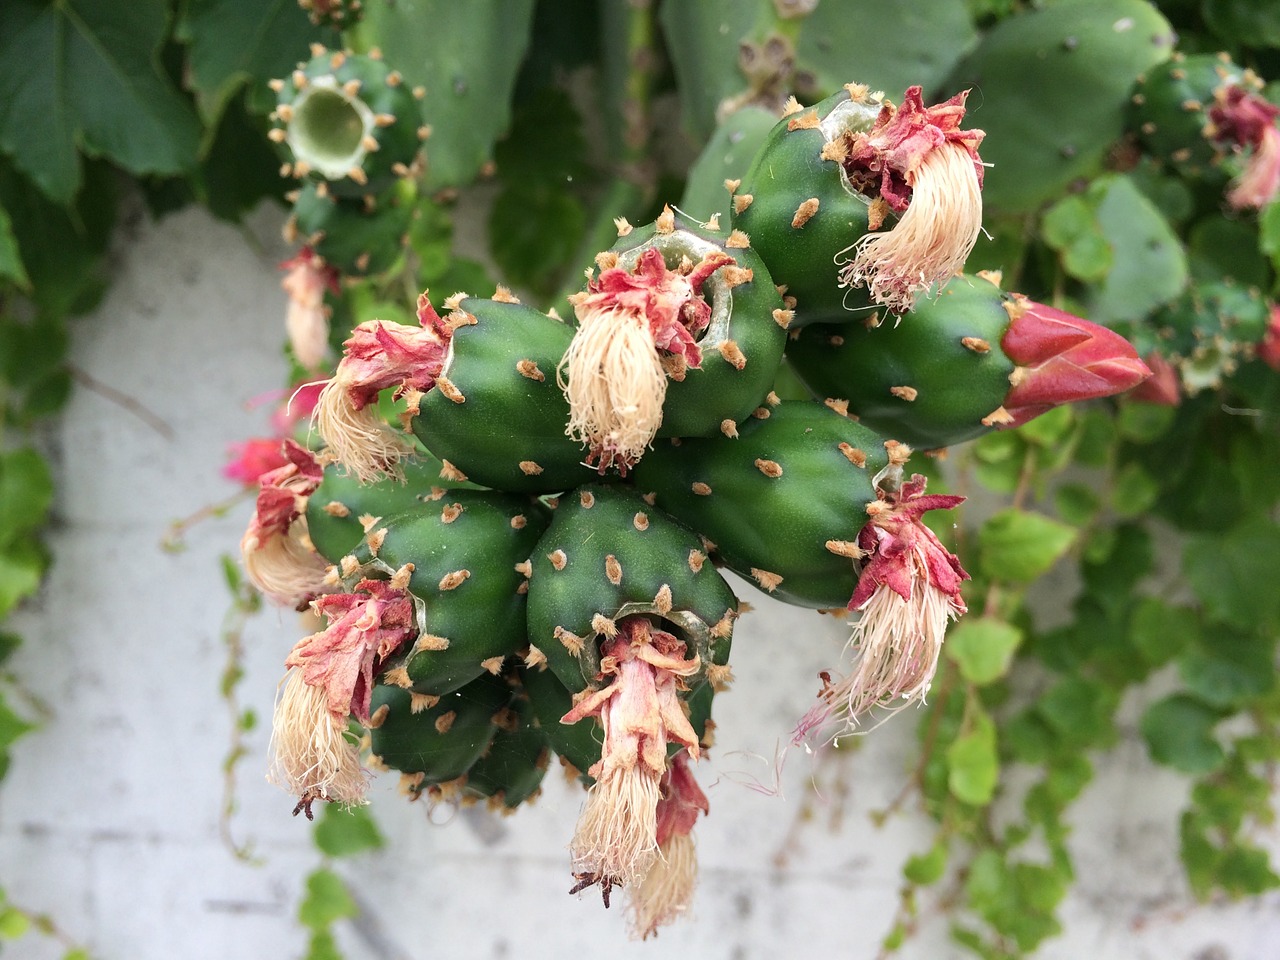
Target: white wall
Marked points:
109	816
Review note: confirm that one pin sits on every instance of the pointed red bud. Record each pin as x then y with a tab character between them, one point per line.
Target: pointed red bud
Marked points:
1061	359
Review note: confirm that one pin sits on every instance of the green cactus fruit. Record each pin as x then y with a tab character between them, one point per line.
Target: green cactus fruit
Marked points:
783	502
496	414
970	360
356	236
338	14
607	555
800	210
336	506
510	771
1169	109
350	120
928	381
436	743
469	551
1048	130
578	744
743	344
1209	331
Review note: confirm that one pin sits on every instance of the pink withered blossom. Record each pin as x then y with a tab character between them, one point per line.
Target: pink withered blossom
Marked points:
307	317
616	841
917	162
1244	121
632	323
278	556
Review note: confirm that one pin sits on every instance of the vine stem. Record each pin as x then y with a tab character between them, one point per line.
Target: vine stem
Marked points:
173	538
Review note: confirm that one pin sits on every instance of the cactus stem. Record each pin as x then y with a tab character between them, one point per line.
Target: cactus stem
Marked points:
313	756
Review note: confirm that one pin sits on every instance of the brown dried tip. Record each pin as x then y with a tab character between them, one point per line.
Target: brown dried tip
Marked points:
719	676
791	106
445	721
761	413
662	600
742	201
451	581
451	512
806	121
845	548
519	521
640	521
375	540
604	626
348	565
613	569
449	390
732	185
696	559
899	453
451	473
666	222
997	417
729	429
378	717
724	626
836	340
770	468
503	295
398	677
587	499
768	581
335	508
623	225
535	658
700	488
905	393
855	456
735	276
570	641
783	318
976	344
530	468
714	222
524	568
493	664
431	642
733	354
558	559
837	150
804	213
738	240
421	701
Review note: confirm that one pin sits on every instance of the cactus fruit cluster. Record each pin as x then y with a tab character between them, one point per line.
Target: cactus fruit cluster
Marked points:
526	558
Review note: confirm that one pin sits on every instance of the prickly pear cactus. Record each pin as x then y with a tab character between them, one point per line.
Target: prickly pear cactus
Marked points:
782	502
339	14
1207	333
510	771
971	360
469	551
350	120
356	236
339	506
608	555
577	744
500	374
436	740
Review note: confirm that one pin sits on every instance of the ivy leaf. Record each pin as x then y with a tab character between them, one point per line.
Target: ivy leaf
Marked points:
21	570
1021	546
1161	631
26	490
1134	492
341	833
1230	575
923	869
983	648
1080	711
85	74
12	726
1228	668
973	765
233	41
326	902
11	267
1179	734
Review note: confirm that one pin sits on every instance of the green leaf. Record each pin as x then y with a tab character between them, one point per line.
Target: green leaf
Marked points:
341	833
21	571
1080	711
1246	871
13	923
322	946
973	765
77	953
923	869
1162	631
326	902
9	642
1134	491
1050	428
1144	422
26	491
1228	669
1179	734
983	648
11	267
1077	503
235	41
466	56
1231	574
85	75
1020	546
12	726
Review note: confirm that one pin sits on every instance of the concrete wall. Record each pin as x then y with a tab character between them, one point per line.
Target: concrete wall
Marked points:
109	818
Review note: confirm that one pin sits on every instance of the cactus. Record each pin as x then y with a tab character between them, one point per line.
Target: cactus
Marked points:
1208	332
827	178
467	552
681	331
338	507
497	417
348	119
973	360
435	744
609	555
356	236
510	771
1195	111
782	502
1043	136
